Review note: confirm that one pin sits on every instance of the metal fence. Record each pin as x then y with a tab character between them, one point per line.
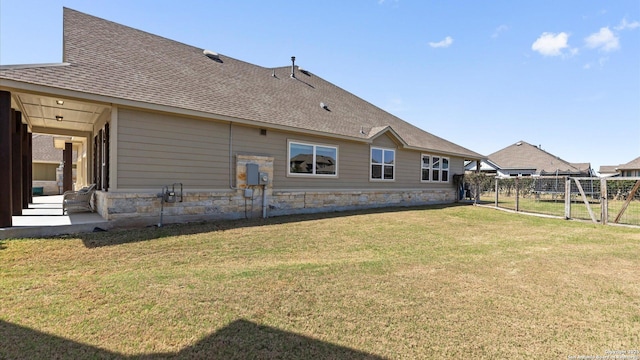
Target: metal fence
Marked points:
601	200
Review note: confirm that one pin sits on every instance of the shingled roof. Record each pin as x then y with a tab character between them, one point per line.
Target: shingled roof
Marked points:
523	155
631	165
124	64
43	149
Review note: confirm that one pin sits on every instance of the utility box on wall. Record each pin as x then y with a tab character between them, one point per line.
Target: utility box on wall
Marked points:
253	175
264	179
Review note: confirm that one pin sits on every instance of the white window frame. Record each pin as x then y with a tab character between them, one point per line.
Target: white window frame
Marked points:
313	171
431	170
371	163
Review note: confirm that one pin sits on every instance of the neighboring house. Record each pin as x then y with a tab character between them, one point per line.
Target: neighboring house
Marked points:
524	159
146	112
630	169
47	164
608	171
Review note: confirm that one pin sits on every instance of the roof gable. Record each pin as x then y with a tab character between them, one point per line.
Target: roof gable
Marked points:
376	132
119	62
523	155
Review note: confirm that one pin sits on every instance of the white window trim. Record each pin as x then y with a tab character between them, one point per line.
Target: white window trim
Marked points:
395	160
313	174
430	168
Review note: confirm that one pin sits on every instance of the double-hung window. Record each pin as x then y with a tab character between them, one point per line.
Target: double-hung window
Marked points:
383	163
435	168
312	159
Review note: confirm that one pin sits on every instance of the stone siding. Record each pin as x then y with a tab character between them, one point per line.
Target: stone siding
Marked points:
48	187
144	209
289	202
139	208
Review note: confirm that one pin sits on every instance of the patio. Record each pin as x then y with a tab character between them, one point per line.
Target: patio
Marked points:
44	218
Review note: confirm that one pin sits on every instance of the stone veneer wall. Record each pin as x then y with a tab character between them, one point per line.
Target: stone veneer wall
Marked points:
289	202
144	209
137	208
49	187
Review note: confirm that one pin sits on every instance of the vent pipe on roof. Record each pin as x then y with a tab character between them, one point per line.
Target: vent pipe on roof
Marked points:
293	67
212	55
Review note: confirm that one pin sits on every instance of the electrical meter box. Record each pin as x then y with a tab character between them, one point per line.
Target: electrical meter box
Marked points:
253	175
264	179
169	196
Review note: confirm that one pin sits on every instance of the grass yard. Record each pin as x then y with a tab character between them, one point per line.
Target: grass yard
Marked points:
434	282
579	210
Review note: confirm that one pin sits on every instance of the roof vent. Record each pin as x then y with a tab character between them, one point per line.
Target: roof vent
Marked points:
519	143
324	106
212	55
293	67
304	71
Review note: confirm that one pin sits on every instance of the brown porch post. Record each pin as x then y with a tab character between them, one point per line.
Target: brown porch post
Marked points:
16	163
30	164
67	170
5	159
26	185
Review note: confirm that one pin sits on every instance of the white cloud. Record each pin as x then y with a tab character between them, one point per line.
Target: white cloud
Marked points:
500	29
601	62
604	40
624	25
550	44
442	44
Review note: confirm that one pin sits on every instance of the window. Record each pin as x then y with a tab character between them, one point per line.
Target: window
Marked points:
382	164
435	168
310	159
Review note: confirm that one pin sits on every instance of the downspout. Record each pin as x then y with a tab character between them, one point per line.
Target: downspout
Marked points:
264	201
231	186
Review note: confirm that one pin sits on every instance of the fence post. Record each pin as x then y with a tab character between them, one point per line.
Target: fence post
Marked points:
496	191
477	194
517	193
604	202
567	198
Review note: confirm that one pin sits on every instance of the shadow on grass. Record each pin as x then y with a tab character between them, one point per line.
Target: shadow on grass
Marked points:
240	339
125	236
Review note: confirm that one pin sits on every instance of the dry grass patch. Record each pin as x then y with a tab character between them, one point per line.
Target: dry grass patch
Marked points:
432	282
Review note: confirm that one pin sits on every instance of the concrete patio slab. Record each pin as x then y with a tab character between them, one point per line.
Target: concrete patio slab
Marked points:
44	218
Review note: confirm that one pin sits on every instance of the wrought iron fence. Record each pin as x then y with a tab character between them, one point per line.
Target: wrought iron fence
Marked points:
601	200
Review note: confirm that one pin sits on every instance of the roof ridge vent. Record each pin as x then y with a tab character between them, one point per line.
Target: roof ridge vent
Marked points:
212	55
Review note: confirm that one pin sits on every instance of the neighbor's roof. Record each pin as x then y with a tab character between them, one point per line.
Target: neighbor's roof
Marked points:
631	165
112	60
43	149
608	169
523	155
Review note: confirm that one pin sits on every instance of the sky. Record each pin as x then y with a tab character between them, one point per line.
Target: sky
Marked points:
564	75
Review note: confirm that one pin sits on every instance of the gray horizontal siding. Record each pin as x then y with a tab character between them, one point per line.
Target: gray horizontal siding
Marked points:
155	150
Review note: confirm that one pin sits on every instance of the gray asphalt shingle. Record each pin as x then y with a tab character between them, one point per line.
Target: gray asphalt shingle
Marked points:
109	59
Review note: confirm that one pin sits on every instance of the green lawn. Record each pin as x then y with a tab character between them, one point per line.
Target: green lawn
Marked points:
434	282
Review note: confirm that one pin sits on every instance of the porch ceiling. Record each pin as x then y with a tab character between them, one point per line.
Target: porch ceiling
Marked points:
40	111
